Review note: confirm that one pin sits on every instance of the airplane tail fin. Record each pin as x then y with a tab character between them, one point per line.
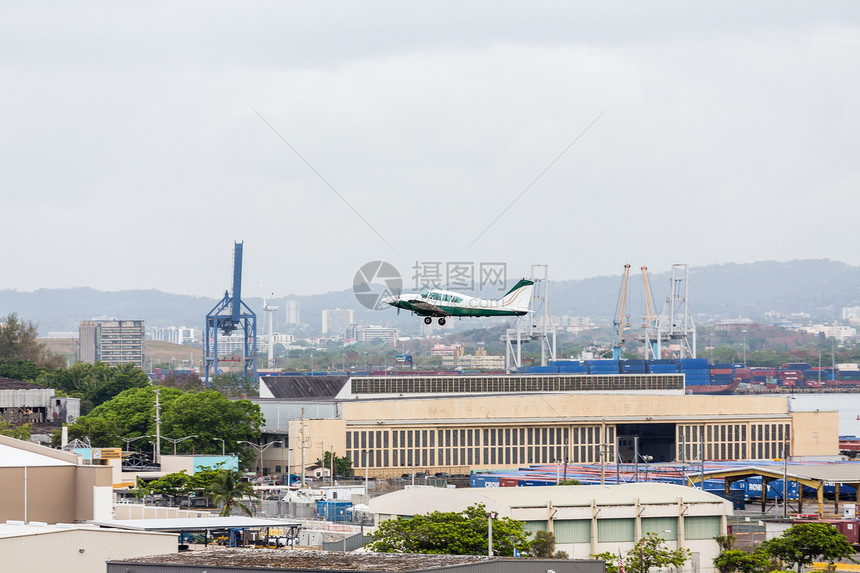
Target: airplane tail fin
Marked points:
520	296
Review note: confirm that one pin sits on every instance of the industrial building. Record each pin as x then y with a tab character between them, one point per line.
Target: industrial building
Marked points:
112	341
26	403
586	519
454	424
43	484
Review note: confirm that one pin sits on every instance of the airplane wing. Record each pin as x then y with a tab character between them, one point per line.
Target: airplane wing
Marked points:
424	308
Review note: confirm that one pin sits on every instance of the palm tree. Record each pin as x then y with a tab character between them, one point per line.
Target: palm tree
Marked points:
228	490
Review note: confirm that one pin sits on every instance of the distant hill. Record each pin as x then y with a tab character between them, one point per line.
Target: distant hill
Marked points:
818	287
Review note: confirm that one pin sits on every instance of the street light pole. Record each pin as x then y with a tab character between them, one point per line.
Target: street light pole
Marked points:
223	446
744	332
259	449
128	441
175	441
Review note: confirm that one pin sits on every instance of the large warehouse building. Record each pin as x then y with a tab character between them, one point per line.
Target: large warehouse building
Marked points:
587	520
390	425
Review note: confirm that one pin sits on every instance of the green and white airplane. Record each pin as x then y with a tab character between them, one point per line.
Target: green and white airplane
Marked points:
442	303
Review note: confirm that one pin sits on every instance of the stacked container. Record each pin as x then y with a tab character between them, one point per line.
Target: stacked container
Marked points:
604	367
695	371
634	366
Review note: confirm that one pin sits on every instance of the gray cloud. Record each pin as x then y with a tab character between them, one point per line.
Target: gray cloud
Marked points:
131	156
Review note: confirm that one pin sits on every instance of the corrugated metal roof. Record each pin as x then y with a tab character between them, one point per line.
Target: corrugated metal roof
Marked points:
842	472
305	387
11	384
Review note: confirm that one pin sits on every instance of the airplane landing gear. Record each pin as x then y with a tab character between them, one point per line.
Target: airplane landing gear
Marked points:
427	320
442	321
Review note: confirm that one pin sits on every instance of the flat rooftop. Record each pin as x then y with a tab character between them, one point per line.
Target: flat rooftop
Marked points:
309	560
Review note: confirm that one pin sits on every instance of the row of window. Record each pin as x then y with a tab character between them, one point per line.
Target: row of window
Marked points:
624	530
729	441
515	384
478	446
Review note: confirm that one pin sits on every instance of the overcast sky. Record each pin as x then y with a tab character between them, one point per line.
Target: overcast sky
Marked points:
132	154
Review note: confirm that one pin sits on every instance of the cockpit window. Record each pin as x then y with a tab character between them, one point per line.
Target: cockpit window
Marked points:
425	293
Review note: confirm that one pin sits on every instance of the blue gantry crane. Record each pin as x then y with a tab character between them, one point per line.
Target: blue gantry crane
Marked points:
229	315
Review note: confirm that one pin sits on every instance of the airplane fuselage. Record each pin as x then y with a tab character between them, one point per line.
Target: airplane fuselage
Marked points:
442	303
447	303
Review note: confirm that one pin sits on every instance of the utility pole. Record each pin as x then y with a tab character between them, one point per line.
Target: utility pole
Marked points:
366	466
157	426
490	516
304	441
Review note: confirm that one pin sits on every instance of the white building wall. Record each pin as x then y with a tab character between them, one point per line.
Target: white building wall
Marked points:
80	550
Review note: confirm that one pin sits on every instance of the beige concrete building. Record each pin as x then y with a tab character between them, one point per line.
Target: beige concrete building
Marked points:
590	519
456	424
42	484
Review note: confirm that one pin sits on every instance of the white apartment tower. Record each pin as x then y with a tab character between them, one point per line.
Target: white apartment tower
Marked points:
293	312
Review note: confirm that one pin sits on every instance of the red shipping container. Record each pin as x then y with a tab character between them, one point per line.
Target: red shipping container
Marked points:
721	371
509	482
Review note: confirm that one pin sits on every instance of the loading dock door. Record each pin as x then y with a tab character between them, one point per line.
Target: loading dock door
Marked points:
655	440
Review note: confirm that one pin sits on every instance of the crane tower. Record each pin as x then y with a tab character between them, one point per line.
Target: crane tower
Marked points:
622	319
679	327
229	315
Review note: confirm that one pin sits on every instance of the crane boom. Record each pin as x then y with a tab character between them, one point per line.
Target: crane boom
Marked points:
621	318
237	283
649	321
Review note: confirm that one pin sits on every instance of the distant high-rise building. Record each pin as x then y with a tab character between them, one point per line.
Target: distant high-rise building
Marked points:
851	314
293	312
365	333
336	321
112	341
176	335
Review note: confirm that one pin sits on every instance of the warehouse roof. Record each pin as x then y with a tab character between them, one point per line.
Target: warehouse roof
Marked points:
11	384
505	499
21	529
837	472
304	387
310	560
12	457
579	495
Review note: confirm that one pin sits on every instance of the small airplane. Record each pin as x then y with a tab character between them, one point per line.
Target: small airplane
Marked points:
442	303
